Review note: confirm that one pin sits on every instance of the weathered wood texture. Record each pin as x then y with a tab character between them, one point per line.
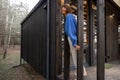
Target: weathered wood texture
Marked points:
66	59
52	40
112	22
90	34
101	39
55	40
80	39
58	38
66	54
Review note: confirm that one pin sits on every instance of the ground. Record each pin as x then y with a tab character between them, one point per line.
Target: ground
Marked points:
9	71
112	71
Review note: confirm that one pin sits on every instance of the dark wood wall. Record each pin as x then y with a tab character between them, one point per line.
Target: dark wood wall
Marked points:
34	38
112	22
40	39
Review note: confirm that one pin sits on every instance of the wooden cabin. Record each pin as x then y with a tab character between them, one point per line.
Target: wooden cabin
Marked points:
112	24
41	37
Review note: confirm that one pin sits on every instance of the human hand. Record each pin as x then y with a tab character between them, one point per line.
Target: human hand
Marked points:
77	47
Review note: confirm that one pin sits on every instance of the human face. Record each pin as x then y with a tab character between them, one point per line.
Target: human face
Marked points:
63	11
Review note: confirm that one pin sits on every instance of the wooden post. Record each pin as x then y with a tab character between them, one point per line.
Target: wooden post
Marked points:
58	39
90	33
52	38
55	39
101	39
80	39
66	59
48	37
66	55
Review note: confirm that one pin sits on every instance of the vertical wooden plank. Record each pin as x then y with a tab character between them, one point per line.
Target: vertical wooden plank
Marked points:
66	59
80	39
101	39
58	39
48	37
90	33
66	55
52	40
55	40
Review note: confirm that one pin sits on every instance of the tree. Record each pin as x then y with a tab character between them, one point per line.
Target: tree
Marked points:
3	18
14	15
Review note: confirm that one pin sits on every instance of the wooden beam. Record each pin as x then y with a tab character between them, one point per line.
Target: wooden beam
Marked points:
58	39
80	39
48	54
90	33
66	55
52	38
101	39
66	59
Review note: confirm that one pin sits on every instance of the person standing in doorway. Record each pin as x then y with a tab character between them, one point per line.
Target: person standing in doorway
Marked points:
71	33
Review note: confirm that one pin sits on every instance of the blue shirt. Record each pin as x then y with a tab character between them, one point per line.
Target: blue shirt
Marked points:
71	28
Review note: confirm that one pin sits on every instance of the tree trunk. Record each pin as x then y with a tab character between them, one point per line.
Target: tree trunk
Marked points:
8	38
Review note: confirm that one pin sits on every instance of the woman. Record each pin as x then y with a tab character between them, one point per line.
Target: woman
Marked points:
71	32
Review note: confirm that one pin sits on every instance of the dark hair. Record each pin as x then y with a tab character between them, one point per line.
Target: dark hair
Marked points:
68	8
